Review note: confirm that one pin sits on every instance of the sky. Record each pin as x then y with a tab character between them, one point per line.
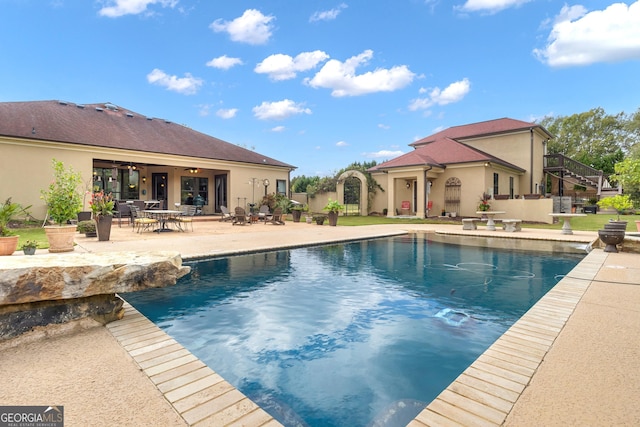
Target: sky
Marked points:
321	84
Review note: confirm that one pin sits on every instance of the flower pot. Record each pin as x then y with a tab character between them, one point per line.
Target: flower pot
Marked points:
60	237
611	238
29	251
8	245
84	216
296	214
309	219
638	225
616	225
103	227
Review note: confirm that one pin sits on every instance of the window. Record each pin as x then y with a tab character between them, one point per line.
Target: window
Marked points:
123	184
511	187
281	186
191	187
495	183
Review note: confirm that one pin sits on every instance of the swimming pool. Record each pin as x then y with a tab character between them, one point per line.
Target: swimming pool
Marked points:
337	335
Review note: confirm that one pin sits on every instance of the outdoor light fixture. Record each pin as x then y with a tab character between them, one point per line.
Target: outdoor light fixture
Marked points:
192	170
144	179
408	184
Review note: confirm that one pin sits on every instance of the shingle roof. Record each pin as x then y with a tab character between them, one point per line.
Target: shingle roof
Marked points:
111	126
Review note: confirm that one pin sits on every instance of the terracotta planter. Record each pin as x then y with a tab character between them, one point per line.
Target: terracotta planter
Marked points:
60	237
8	245
638	225
103	227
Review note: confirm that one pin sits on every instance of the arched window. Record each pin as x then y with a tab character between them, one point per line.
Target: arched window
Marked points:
452	194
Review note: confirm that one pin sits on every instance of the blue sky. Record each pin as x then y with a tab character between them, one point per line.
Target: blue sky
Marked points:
321	84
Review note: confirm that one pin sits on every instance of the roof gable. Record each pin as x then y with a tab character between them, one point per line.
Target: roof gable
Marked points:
442	152
474	130
111	126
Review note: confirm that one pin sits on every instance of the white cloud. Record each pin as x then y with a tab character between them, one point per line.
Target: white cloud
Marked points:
279	110
490	6
327	15
341	144
452	93
252	27
227	113
383	126
224	62
278	129
581	38
342	79
187	85
383	154
284	67
117	8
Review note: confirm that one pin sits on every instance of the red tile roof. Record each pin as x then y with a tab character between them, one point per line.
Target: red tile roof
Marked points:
446	147
111	126
473	130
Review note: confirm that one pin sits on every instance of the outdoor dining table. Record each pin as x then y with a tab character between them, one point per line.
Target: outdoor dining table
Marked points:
163	216
491	225
566	226
151	204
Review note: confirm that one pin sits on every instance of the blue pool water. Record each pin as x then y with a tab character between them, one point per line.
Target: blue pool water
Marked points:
341	335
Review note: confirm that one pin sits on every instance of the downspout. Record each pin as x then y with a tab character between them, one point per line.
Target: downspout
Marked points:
426	192
531	163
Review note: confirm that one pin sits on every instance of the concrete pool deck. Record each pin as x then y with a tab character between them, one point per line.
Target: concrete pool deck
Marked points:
571	360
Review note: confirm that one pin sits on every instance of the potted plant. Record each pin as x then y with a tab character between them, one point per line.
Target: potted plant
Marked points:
8	212
64	201
484	203
29	247
88	228
319	219
296	212
102	207
619	202
333	207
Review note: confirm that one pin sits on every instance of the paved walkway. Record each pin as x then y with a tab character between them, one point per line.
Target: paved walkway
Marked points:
587	375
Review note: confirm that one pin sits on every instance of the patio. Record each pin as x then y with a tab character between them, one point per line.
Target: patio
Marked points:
588	376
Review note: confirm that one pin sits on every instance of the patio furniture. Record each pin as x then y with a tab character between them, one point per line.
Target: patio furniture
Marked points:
566	226
226	215
263	213
491	225
123	212
140	221
512	225
276	217
470	223
164	217
240	217
186	218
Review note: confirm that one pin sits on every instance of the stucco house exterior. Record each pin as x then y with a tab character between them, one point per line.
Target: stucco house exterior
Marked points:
129	154
450	170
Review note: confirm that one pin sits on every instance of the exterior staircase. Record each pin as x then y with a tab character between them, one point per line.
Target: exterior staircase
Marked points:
573	172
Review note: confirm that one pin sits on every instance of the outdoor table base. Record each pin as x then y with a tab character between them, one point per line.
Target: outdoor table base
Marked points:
566	225
163	216
491	225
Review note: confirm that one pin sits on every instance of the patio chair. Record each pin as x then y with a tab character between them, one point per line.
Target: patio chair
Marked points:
240	217
226	215
141	222
264	213
186	218
276	217
123	212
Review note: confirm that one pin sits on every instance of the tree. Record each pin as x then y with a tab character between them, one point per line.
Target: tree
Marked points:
300	183
593	138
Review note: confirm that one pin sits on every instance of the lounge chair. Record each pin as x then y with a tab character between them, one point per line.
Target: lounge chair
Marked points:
226	215
240	217
276	217
264	213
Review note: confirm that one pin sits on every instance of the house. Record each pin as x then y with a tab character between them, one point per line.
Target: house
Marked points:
129	154
450	170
